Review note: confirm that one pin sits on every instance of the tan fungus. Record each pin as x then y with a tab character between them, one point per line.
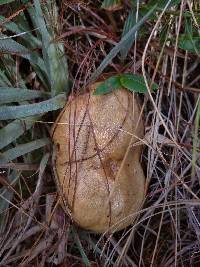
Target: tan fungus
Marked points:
92	135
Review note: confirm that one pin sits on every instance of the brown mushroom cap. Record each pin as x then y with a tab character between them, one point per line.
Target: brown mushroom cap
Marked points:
92	136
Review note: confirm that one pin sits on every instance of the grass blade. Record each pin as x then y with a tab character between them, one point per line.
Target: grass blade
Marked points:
126	39
53	54
16	112
23	149
15	129
39	19
129	23
4	81
80	248
9	94
8	45
22	31
59	68
5	197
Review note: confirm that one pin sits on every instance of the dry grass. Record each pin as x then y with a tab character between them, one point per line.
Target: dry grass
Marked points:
35	231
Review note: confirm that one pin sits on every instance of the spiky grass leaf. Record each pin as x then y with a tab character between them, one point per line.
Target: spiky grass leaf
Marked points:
27	39
23	149
129	23
4	81
126	39
53	67
6	196
15	129
53	54
22	31
59	68
39	19
8	45
80	248
16	112
9	94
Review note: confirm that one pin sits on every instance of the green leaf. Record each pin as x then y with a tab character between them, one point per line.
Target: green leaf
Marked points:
130	81
135	83
16	112
190	43
112	83
190	40
126	39
23	149
9	94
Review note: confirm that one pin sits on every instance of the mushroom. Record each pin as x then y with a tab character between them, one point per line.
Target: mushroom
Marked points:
98	162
